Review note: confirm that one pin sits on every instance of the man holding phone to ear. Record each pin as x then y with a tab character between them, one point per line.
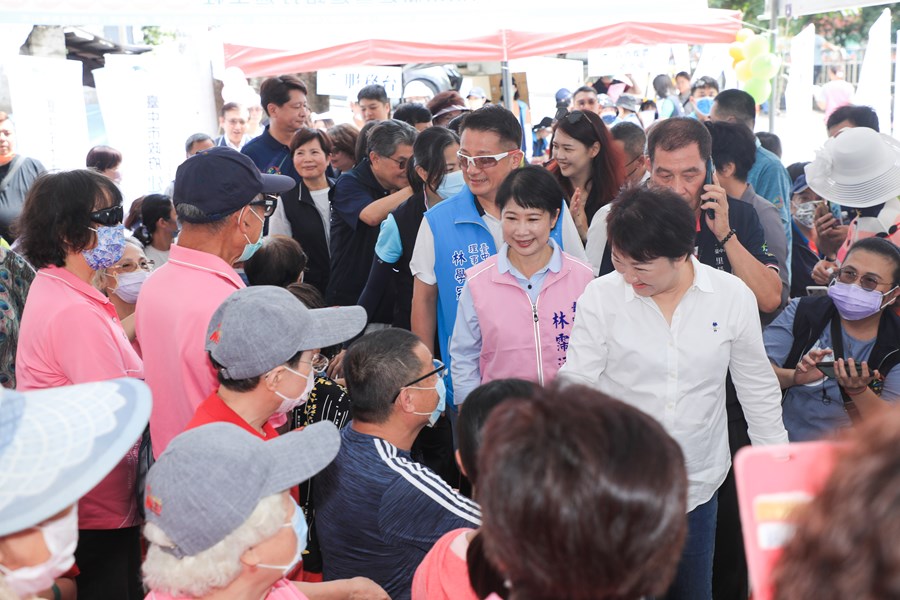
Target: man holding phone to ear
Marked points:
729	235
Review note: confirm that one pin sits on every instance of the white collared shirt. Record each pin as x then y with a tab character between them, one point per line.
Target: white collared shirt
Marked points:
622	345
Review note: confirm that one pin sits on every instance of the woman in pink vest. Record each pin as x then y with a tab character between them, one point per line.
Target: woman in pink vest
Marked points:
517	308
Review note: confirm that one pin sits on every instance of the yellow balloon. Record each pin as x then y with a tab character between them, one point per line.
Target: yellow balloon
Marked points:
736	50
756	46
743	72
744	34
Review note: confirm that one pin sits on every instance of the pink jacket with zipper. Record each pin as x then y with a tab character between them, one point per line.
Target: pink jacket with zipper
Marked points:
518	338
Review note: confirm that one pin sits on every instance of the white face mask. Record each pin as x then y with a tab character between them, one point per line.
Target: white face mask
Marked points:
61	537
129	285
289	404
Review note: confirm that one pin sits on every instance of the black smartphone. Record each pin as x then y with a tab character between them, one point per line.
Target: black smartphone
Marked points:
710	167
827	368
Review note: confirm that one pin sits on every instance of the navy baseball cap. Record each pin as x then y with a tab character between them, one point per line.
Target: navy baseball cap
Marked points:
220	181
800	184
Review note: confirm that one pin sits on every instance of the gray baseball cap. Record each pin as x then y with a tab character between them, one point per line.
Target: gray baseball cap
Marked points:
57	444
260	327
210	479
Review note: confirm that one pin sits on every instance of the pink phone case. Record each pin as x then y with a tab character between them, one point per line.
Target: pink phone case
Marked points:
772	481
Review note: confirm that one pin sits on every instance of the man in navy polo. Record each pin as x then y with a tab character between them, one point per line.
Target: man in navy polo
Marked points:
284	100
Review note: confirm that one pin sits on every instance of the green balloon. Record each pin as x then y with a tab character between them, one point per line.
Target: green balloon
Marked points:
756	46
765	66
760	89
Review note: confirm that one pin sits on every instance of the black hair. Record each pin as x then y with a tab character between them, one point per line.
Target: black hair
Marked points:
103	158
531	187
388	135
860	116
497	119
229	106
676	133
663	86
650	223
683	74
412	113
153	208
632	136
738	104
242	386
732	143
474	414
279	261
372	92
376	366
362	141
584	89
770	142
428	153
55	219
704	83
882	247
277	90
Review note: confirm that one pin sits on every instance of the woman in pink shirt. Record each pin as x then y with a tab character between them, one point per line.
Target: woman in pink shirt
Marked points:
70	227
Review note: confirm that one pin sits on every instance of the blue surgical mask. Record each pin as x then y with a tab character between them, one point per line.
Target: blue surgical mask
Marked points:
608	118
704	105
451	184
298	524
250	248
441	389
109	249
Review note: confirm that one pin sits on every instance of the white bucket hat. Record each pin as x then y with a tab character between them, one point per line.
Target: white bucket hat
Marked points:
858	168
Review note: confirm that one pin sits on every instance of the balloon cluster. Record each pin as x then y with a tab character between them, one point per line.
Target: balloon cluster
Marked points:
754	65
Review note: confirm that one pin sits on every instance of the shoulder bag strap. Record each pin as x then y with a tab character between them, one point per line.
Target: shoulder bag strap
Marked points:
837	346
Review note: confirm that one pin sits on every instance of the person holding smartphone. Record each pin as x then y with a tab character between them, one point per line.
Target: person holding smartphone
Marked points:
850	327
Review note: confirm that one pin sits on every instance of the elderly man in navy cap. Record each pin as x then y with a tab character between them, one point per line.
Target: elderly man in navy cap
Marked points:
222	202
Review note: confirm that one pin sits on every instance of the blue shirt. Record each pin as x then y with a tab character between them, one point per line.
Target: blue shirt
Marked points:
770	180
270	156
816	410
465	345
378	513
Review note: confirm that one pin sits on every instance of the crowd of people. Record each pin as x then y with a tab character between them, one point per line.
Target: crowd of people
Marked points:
367	375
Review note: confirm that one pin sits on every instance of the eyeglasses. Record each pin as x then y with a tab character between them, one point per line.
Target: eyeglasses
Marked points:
481	162
131	266
849	275
439	369
401	162
268	202
318	363
108	216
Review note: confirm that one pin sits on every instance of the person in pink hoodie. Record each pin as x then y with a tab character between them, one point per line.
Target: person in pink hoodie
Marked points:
517	307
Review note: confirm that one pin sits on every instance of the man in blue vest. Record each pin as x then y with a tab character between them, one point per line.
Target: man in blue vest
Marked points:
465	229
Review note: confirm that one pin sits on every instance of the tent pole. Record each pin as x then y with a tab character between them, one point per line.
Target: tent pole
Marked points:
772	48
508	94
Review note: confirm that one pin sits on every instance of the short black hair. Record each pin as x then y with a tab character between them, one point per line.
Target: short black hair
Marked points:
376	366
373	92
584	89
495	118
632	136
277	90
531	187
103	158
650	223
732	143
279	261
56	220
678	132
474	412
683	74
153	208
705	82
770	142
860	116
230	106
738	104
242	386
412	113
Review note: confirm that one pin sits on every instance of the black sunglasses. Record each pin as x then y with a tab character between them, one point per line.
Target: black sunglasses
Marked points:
577	115
268	202
108	216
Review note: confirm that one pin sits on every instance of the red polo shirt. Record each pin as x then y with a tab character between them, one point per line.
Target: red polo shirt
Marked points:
214	410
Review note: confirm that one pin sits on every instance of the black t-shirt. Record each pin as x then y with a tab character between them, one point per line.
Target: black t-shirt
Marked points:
352	241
